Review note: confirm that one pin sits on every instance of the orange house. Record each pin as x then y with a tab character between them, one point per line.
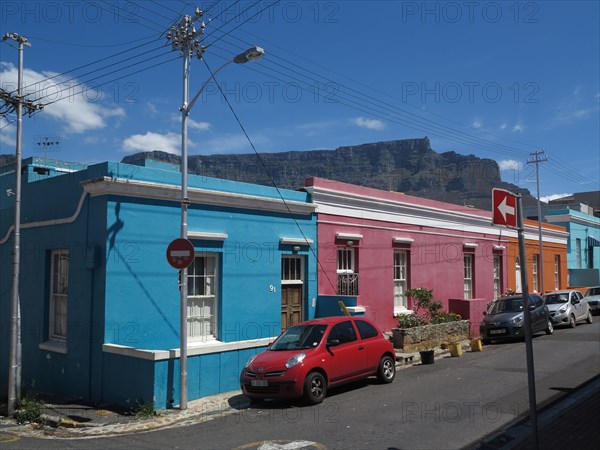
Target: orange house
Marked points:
552	270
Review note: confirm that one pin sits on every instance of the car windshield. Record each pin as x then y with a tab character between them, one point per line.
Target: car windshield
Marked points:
299	337
593	291
506	305
554	299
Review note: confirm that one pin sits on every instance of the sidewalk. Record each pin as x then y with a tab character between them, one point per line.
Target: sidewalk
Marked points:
571	422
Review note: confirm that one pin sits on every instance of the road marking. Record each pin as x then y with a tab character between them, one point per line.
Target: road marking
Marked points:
282	445
6	438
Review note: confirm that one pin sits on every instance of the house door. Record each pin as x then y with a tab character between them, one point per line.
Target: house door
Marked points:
291	305
292	290
518	286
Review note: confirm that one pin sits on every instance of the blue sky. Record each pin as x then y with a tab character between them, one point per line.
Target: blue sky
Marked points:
495	79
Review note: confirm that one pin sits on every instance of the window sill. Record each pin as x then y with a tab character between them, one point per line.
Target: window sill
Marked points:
54	346
399	312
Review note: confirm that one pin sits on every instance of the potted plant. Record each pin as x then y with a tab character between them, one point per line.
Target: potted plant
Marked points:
427	356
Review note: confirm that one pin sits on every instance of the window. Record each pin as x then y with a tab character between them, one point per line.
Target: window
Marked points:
346	271
366	330
291	269
556	272
343	332
400	279
578	253
497	276
468	276
535	273
202	297
59	294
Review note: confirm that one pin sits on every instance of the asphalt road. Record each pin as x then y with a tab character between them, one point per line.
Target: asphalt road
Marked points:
452	404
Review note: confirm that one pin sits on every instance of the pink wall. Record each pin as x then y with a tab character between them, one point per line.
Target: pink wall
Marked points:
436	257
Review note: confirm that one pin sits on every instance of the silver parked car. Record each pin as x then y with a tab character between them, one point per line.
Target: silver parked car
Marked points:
592	296
567	307
504	318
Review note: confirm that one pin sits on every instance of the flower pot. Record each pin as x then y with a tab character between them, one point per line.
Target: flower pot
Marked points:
476	345
427	357
455	349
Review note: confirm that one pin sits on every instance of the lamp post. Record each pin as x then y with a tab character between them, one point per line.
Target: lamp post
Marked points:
184	37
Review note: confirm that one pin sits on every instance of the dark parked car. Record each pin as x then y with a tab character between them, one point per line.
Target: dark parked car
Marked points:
309	358
504	318
592	296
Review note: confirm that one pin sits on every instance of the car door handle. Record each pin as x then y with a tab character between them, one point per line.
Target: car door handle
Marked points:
361	347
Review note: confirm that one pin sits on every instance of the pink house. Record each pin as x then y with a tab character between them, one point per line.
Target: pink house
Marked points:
373	245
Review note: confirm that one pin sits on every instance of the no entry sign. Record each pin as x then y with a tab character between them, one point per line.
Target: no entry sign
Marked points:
180	253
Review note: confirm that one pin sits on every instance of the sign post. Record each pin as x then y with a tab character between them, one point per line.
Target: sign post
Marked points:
180	254
508	211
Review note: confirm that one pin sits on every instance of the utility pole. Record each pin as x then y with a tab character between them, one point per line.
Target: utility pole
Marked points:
536	158
185	38
16	103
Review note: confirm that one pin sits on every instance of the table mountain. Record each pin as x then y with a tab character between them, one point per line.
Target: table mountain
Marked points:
409	166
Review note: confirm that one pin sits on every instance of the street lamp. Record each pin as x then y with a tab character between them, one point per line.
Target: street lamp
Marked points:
184	37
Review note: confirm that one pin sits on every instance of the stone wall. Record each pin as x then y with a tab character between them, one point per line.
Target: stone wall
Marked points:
428	336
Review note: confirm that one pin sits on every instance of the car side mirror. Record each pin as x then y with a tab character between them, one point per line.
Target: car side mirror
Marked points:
574	301
333	343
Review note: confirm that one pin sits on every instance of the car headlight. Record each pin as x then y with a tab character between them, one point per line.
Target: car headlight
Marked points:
250	361
517	320
562	309
296	359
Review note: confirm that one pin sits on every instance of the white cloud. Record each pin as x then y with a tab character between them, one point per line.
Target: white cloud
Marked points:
202	126
169	142
7	135
547	198
77	107
477	123
503	126
371	124
518	127
192	124
510	164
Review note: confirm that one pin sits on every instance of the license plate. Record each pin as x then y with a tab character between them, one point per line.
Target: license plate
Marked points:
259	383
502	331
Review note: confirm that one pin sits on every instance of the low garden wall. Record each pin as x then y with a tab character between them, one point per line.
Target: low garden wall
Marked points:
426	337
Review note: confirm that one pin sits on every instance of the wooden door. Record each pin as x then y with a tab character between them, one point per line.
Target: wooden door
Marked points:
291	305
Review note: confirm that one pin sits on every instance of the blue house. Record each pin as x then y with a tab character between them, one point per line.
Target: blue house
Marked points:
100	303
582	221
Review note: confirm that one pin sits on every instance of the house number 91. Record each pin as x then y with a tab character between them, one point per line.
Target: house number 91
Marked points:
272	288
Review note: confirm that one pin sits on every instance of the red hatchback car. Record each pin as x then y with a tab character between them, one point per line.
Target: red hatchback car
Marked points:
308	358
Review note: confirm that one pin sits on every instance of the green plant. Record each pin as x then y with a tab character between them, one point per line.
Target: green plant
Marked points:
427	310
29	410
144	410
408	321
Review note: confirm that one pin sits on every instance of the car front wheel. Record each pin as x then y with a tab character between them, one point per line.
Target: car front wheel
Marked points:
387	370
315	388
572	321
550	328
589	317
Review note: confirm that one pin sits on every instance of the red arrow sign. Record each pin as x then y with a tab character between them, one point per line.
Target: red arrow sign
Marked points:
504	210
180	253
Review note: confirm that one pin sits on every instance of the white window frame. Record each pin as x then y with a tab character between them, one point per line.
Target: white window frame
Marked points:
200	301
468	272
58	311
497	276
557	272
293	276
400	280
535	272
578	253
346	270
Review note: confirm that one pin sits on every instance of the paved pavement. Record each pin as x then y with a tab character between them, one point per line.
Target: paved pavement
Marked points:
571	422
